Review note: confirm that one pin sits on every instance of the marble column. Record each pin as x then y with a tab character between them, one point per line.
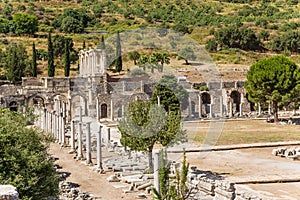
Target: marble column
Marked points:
142	86
97	109
58	116
63	132
108	135
200	106
79	137
221	107
72	142
45	119
269	109
111	110
99	151
211	111
158	100
156	169
241	109
190	107
88	143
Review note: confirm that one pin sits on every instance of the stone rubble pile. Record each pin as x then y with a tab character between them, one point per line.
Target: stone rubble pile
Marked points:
204	185
291	153
69	191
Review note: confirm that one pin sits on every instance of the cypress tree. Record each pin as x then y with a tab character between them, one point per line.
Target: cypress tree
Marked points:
34	66
83	45
67	58
51	67
118	54
102	44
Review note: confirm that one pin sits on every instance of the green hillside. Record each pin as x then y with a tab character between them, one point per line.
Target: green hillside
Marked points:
234	32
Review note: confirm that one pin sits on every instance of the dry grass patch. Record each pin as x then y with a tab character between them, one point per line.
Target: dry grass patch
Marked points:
243	132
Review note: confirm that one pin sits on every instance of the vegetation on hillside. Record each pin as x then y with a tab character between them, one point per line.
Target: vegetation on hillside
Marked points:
244	29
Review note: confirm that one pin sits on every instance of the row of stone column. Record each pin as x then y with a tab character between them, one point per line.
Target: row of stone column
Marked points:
55	124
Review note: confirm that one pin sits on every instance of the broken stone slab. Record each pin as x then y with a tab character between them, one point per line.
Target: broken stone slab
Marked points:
113	178
148	176
144	186
131	189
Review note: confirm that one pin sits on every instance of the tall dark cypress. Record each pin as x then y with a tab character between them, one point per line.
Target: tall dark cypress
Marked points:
34	65
51	67
67	58
102	44
118	54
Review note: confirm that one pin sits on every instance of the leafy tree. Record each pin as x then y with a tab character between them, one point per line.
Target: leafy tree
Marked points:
272	80
187	53
24	161
145	124
162	58
134	55
34	65
25	23
15	61
143	61
7	10
71	25
67	58
211	45
51	67
172	95
118	54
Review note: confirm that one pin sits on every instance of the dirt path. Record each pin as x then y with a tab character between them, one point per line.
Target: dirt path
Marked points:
89	180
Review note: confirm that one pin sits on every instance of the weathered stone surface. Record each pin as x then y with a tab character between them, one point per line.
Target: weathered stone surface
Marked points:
8	192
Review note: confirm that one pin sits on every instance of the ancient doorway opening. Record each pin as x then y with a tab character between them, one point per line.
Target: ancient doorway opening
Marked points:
236	98
13	106
103	111
205	97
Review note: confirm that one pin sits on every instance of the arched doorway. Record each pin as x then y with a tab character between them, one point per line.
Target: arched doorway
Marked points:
103	111
236	100
13	106
206	101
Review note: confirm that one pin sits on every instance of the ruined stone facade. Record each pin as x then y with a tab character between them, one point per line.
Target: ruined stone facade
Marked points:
104	99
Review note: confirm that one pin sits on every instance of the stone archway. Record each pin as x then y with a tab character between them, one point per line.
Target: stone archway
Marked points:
13	106
236	100
206	101
36	100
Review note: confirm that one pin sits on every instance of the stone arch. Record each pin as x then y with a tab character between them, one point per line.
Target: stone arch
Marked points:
205	97
103	110
206	101
36	99
236	100
13	106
